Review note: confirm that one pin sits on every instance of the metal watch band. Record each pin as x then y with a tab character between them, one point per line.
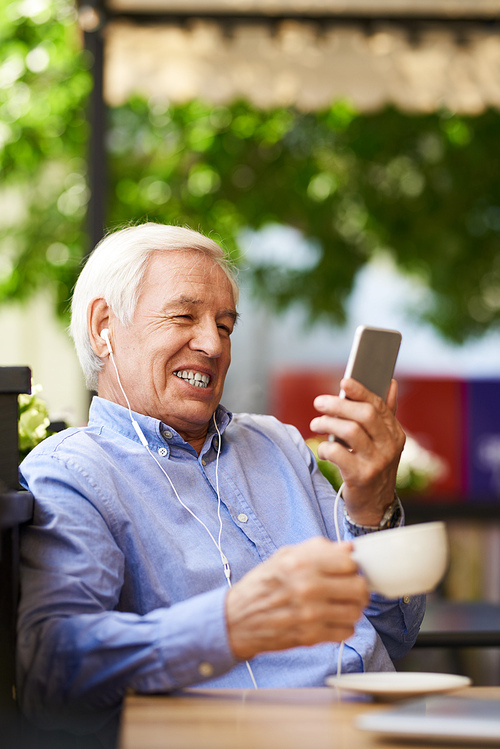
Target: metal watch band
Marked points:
391	519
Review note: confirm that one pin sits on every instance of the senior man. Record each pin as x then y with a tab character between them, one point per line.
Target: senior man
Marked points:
174	543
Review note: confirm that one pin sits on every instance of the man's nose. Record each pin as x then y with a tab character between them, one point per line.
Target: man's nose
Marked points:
207	340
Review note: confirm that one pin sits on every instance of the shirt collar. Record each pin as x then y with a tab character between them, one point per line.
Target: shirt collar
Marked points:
113	416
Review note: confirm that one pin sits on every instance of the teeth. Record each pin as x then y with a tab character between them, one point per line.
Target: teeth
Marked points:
194	378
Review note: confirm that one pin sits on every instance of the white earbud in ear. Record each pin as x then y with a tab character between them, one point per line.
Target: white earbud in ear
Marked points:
105	337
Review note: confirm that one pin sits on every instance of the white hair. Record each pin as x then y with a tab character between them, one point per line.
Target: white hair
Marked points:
114	271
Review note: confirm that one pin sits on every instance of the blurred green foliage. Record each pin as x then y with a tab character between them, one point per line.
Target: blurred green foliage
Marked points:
423	189
33	422
44	85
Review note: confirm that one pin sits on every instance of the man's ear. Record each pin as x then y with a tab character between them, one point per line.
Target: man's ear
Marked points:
98	314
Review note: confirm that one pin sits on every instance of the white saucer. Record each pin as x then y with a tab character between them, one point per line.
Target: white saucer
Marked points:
397	685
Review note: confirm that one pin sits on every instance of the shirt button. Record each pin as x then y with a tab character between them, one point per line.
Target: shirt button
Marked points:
406	599
205	669
167	434
242	517
162	451
203	462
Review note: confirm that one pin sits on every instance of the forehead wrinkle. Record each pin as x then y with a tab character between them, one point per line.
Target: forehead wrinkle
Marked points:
197	267
183	300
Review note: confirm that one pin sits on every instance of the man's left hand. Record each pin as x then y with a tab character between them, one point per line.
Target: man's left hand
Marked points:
373	442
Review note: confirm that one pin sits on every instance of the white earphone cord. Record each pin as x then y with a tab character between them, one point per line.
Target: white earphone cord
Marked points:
144	442
224	560
337	532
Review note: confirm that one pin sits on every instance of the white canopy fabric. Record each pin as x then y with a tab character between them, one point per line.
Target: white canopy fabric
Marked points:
451	8
304	64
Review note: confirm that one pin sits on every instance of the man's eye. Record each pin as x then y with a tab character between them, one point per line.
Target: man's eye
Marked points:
225	329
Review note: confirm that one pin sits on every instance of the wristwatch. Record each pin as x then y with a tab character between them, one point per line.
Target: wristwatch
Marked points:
392	517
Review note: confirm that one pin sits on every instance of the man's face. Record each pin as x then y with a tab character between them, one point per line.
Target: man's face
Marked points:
174	356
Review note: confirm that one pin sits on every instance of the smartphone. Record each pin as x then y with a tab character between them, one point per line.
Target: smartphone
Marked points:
373	357
371	362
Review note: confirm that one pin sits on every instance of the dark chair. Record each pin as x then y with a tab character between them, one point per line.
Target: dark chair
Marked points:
16	507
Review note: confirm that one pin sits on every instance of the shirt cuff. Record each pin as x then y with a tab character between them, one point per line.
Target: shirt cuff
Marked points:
192	648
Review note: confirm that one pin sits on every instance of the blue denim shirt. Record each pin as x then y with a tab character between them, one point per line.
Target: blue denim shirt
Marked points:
122	588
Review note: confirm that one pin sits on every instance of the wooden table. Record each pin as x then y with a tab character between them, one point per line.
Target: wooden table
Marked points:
315	718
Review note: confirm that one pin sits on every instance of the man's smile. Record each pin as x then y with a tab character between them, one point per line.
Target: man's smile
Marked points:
194	378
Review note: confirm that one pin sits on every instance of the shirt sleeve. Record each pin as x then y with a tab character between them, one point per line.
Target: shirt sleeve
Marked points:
398	621
71	628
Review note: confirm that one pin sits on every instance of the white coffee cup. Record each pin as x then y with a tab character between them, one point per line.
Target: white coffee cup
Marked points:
403	561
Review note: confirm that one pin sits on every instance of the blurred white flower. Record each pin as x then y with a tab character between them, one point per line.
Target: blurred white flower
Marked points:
418	467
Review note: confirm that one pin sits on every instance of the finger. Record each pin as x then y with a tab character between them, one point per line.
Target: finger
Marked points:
318	609
326	403
315	629
318	556
340	454
332	624
329	589
355	409
348	591
392	397
355	423
355	391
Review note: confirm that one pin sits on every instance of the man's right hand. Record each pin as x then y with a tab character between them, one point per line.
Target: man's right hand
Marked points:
302	595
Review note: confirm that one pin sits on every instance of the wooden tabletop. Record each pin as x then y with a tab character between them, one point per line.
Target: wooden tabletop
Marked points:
314	718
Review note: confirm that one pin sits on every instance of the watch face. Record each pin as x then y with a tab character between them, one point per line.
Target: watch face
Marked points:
392	515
